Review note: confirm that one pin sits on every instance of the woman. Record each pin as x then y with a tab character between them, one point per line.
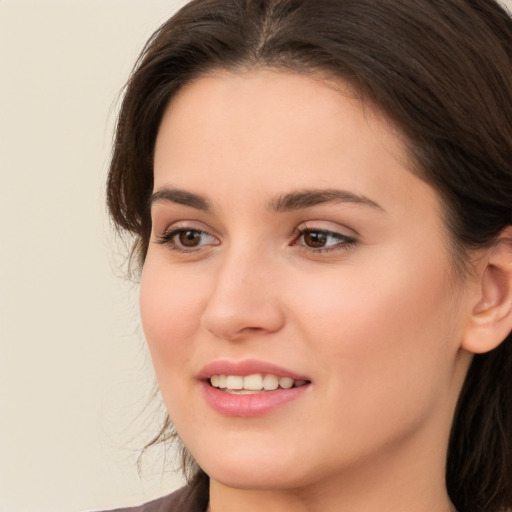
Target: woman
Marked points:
320	195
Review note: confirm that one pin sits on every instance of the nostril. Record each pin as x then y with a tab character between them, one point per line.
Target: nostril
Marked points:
232	314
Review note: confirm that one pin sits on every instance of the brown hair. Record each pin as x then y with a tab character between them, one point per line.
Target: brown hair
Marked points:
441	70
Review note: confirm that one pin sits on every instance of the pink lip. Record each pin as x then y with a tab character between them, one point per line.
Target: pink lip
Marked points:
247	406
257	404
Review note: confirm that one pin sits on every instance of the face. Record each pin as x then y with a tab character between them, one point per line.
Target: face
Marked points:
292	246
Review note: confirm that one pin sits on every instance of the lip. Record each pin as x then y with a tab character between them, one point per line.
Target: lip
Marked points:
258	404
247	406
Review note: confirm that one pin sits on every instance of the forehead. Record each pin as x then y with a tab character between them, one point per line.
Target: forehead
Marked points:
270	131
275	99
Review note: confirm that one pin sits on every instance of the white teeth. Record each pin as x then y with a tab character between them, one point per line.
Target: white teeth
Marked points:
270	382
253	383
234	382
286	382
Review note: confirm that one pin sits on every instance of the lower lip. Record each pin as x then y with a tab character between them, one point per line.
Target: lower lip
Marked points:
246	406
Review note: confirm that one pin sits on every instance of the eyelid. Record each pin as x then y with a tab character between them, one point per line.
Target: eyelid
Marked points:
169	233
346	241
192	225
326	226
343	240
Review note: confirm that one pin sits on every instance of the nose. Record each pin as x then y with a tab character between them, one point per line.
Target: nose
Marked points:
244	300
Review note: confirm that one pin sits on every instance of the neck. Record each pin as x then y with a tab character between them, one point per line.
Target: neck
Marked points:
225	499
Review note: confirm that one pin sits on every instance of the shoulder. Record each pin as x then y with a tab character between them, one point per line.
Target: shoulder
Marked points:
182	500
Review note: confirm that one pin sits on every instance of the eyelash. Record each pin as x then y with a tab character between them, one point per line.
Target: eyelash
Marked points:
167	238
344	242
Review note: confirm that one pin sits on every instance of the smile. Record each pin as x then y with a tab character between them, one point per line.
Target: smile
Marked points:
250	387
252	384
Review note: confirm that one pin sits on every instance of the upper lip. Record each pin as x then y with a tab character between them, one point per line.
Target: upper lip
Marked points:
247	367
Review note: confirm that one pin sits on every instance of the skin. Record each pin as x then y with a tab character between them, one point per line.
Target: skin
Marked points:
376	324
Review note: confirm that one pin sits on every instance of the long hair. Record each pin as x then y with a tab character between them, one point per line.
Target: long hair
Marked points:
441	70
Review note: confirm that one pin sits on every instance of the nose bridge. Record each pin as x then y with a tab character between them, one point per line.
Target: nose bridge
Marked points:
244	295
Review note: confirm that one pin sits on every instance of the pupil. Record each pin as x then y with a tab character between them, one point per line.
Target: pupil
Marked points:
189	238
315	239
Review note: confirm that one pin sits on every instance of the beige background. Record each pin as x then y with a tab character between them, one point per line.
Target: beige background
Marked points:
74	373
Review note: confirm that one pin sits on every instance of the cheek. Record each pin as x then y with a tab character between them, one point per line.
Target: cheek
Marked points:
399	293
383	337
170	311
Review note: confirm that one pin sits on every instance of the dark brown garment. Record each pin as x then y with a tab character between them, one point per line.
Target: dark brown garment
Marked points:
183	500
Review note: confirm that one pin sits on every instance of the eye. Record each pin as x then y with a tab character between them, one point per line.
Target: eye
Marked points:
321	240
186	239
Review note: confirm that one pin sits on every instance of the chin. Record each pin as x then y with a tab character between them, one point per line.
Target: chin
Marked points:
249	478
256	469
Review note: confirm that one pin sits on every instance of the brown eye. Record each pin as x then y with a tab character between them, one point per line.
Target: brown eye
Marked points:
315	239
187	239
319	240
190	238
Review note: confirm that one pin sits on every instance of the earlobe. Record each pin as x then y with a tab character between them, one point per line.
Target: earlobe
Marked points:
491	319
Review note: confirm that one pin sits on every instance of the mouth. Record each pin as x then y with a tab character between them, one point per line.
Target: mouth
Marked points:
250	388
253	384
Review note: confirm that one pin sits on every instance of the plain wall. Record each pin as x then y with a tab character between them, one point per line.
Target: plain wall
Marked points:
74	372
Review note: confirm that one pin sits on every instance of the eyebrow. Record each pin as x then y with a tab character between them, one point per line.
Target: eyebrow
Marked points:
174	195
307	198
297	200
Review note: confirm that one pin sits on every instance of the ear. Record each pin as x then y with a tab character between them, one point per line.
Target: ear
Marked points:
491	318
